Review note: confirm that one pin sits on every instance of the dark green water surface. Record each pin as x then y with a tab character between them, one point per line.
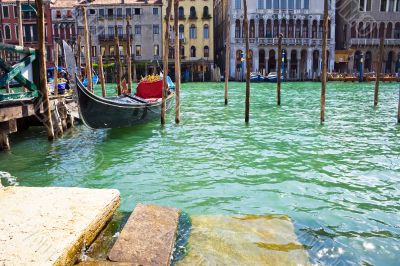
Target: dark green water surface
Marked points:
340	183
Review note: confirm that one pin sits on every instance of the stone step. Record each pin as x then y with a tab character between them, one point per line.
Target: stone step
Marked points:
148	237
50	226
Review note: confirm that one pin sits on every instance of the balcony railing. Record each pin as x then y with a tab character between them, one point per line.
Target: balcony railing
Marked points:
285	41
111	37
206	16
373	42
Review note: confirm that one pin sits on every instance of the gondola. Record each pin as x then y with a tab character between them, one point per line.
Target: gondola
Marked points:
119	111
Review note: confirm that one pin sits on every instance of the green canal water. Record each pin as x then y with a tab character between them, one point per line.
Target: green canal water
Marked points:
340	183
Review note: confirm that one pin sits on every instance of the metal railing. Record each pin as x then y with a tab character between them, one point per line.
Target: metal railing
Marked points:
373	42
285	41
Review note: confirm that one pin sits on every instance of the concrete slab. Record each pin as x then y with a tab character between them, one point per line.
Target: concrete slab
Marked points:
50	226
148	237
244	240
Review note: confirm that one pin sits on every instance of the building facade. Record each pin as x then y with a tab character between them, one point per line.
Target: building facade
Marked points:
107	18
196	34
360	23
63	21
9	26
300	22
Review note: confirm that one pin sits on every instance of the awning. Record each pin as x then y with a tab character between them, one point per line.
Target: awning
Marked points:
342	56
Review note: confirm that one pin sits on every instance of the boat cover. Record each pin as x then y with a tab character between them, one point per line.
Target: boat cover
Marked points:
148	90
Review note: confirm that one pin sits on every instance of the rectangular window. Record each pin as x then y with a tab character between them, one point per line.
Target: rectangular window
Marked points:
16	32
238	4
383	5
283	4
306	4
5	11
268	4
138	11
92	12
365	5
298	4
260	4
102	50
119	12
15	12
101	13
128	12
138	50
110	31
291	4
391	5
276	4
156	50
110	12
138	29
156	29
155	11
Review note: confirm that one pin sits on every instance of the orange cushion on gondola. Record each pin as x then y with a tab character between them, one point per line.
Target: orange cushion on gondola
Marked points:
148	90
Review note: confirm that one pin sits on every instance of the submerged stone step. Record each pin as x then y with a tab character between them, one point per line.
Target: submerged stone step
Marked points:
244	240
50	226
148	238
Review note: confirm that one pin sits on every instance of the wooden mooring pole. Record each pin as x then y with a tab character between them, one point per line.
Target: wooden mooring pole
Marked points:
87	52
78	58
177	64
398	109
129	53
246	32
227	48
118	61
101	74
279	72
165	62
55	83
42	70
378	68
324	61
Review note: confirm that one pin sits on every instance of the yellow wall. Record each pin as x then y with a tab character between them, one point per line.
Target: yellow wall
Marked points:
199	42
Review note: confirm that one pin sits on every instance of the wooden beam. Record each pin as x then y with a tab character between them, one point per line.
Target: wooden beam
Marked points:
56	69
378	68
279	72
324	62
101	74
177	64
228	48
118	61
78	61
246	31
43	70
165	62
129	53
87	52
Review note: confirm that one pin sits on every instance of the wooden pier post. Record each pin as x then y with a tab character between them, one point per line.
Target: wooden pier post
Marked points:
118	61
42	70
20	29
165	62
101	74
279	72
227	48
129	53
55	83
78	59
324	61
87	51
246	31
378	68
398	110
177	64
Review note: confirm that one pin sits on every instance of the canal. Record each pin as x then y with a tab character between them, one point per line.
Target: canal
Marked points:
340	183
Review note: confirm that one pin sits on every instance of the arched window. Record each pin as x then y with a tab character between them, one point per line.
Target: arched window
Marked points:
206	31
56	30
193	51
7	32
192	32
237	29
206	51
252	29
182	51
397	31
181	12
181	31
193	12
238	4
291	4
206	14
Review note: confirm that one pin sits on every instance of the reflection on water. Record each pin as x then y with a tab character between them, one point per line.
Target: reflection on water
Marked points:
339	183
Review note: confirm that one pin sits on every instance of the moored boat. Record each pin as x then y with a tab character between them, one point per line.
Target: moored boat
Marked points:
125	110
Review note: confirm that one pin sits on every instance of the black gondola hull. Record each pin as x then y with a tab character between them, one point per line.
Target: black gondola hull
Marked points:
98	112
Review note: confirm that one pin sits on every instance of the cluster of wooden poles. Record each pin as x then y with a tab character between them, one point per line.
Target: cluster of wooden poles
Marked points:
324	63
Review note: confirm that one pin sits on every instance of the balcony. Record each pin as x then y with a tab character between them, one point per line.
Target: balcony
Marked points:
206	16
193	16
285	41
182	17
373	42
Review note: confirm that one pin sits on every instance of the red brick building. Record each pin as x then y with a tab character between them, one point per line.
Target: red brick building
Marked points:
9	25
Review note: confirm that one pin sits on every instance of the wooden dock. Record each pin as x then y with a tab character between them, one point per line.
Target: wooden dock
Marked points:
148	238
50	226
20	114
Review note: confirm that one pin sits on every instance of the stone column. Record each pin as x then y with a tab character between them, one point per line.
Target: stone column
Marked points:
309	63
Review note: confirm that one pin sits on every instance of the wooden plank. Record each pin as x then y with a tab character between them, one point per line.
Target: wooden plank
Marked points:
50	226
148	237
